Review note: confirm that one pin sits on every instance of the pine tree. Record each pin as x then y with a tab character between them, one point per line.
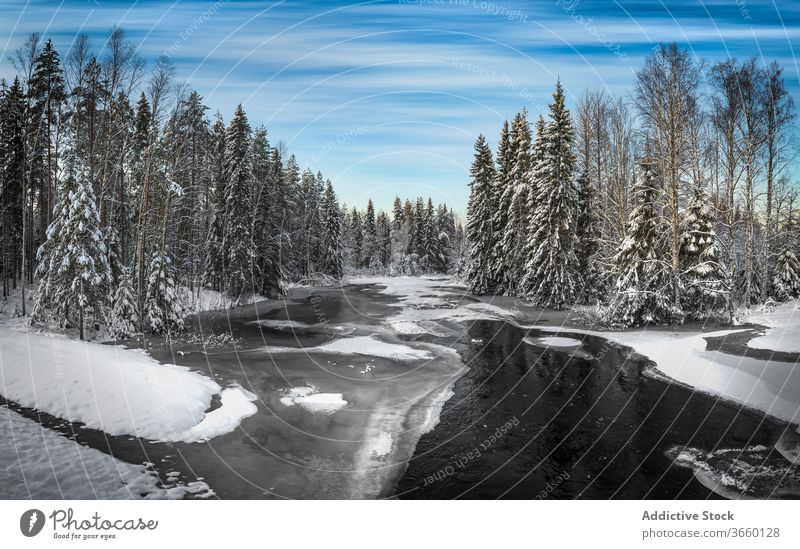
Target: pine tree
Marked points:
705	292
238	241
46	93
332	260
12	175
123	317
643	286
786	278
162	307
589	267
550	269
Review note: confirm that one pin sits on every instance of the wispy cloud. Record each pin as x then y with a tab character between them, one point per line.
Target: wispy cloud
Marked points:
424	78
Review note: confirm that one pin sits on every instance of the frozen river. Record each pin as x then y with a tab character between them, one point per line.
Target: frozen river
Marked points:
420	391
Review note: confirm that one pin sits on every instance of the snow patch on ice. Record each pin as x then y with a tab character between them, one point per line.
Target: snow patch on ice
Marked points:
360	345
381	446
407	327
554	341
313	401
282	324
423	301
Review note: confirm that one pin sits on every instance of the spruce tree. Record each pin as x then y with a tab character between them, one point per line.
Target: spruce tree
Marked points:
356	239
50	297
238	241
214	261
332	260
370	258
480	222
705	291
384	240
78	275
445	229
550	268
643	286
428	241
397	214
123	317
268	224
499	207
514	199
589	266
786	279
162	307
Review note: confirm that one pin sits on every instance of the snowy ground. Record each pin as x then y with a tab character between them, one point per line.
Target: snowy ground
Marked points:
113	389
37	463
212	300
109	388
783	332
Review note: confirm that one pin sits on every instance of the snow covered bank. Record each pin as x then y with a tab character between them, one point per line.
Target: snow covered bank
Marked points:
37	463
770	386
360	345
212	300
783	333
116	390
236	404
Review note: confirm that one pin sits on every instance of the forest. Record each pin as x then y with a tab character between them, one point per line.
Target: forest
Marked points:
671	204
121	200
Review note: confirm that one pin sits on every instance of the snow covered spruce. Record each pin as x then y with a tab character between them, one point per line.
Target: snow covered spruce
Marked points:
677	209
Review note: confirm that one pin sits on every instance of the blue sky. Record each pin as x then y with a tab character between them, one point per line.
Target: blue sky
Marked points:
387	97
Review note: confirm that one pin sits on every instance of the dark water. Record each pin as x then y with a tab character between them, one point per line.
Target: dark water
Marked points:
531	422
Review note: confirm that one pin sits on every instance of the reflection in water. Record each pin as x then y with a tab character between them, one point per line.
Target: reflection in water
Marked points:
590	425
